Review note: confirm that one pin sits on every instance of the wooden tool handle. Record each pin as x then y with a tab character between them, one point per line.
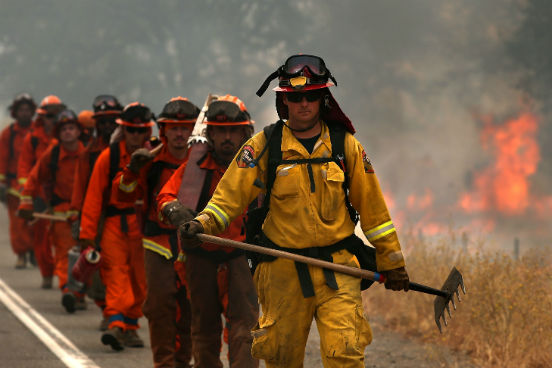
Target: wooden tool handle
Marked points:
357	272
47	216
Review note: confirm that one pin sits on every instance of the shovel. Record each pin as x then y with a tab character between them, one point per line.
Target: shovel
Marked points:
444	296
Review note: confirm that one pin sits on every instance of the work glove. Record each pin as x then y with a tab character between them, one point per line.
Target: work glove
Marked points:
139	159
25	214
177	214
3	192
396	279
187	234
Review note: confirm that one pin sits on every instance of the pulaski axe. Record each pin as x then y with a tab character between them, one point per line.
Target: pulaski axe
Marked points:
445	295
193	177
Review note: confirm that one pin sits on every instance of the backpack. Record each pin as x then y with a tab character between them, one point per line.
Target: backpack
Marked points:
256	216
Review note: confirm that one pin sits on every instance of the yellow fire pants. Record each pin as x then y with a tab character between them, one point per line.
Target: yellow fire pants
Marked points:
283	328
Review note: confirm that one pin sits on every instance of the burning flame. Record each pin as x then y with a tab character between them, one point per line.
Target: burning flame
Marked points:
504	186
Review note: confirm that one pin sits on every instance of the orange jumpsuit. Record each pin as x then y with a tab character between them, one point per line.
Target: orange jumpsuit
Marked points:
204	284
11	140
34	145
166	307
122	266
86	161
42	175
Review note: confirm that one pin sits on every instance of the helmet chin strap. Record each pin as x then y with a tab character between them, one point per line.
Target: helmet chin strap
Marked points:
304	129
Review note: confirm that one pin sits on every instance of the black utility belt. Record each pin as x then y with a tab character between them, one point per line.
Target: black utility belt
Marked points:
57	200
111	211
366	256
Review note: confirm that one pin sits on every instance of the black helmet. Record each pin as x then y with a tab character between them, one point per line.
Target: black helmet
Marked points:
136	114
106	105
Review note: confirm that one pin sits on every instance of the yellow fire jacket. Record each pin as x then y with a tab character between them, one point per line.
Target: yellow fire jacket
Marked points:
303	213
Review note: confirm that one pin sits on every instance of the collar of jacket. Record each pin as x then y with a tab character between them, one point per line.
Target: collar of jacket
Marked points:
291	143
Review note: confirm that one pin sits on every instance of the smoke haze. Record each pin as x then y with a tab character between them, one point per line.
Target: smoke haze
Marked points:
420	80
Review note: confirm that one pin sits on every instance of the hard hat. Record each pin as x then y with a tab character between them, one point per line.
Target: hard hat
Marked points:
227	110
136	114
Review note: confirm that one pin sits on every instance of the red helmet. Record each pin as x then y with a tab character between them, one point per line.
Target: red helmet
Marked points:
21	99
179	110
136	114
50	104
302	73
227	110
106	105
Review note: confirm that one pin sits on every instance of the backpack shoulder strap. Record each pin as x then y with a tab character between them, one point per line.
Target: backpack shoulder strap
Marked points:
337	139
54	160
114	158
11	143
34	142
154	177
274	145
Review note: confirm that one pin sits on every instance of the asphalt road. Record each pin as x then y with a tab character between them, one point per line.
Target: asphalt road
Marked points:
79	342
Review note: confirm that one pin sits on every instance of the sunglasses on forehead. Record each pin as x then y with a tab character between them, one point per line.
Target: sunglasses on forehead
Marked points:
310	96
138	130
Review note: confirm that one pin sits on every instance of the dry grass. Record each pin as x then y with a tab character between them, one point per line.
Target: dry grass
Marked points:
505	320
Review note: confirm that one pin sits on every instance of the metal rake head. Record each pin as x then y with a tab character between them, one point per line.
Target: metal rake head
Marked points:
451	286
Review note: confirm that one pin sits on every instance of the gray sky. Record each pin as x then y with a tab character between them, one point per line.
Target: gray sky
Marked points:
415	77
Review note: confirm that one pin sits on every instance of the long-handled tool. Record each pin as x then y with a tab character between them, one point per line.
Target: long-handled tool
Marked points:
444	296
48	216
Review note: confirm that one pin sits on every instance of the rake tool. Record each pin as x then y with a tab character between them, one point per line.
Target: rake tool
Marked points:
444	296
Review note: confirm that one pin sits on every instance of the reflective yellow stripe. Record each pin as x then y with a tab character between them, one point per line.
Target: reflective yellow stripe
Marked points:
72	213
383	234
157	248
22	181
14	192
380	231
127	188
181	257
26	199
219	214
2	177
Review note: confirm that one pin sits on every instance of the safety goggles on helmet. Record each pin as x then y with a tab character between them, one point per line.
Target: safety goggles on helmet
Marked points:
179	110
106	104
67	116
300	72
296	63
226	113
310	96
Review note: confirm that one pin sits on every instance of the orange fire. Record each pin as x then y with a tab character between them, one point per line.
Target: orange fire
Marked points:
504	186
500	192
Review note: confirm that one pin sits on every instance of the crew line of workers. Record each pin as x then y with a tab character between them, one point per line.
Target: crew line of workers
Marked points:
299	185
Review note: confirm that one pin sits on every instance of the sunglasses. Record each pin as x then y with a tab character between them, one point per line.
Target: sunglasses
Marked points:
310	96
133	130
50	116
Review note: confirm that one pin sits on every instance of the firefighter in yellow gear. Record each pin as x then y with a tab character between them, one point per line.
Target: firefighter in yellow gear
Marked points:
308	213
